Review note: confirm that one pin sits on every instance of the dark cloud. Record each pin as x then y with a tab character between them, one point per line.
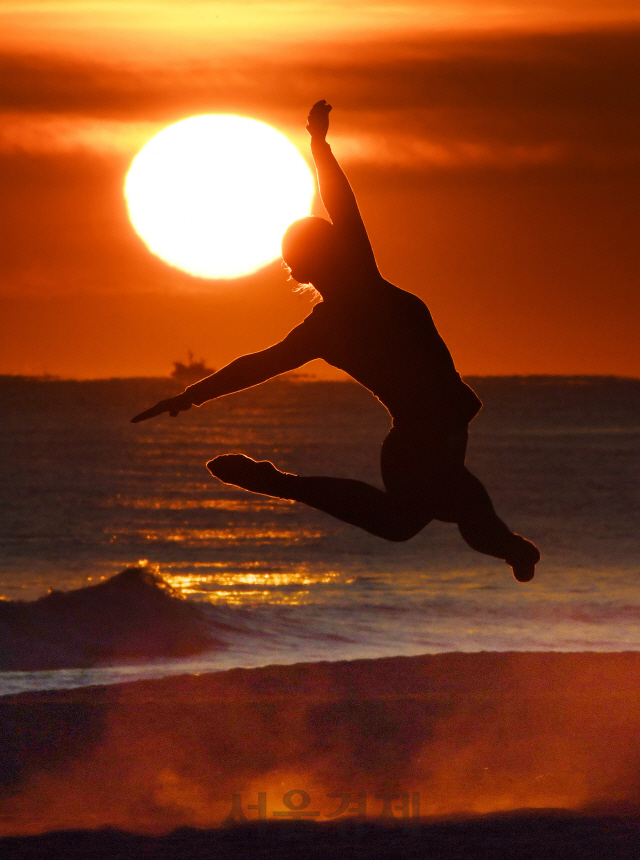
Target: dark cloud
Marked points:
578	87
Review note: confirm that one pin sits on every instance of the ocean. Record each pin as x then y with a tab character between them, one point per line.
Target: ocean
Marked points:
218	578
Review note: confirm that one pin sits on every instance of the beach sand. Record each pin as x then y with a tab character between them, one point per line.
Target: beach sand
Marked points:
471	755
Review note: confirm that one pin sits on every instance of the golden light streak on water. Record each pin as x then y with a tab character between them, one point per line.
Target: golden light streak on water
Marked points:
198	537
253	597
157	504
188	581
232	587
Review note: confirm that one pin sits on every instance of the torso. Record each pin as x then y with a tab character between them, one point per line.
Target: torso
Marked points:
389	344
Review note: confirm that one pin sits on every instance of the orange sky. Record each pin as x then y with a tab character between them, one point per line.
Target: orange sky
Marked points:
494	149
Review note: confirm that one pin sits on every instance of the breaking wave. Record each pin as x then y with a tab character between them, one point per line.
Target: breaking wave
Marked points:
132	616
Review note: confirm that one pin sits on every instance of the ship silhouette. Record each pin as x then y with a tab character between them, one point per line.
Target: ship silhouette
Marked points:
192	371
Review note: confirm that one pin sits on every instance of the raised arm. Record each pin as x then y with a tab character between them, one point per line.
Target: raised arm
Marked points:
337	195
243	372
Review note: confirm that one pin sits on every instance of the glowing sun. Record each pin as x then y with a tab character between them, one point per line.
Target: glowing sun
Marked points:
213	194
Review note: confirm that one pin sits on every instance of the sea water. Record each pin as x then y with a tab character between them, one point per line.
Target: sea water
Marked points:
84	493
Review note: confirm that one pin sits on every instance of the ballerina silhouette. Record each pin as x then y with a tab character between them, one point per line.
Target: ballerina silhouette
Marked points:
385	338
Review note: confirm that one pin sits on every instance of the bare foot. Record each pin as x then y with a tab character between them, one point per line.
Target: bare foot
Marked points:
524	558
258	476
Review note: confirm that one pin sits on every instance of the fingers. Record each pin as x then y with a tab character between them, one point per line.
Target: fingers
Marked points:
149	413
142	416
173	406
158	409
320	109
318	119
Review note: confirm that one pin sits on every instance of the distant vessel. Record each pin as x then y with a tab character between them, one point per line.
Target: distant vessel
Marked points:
192	371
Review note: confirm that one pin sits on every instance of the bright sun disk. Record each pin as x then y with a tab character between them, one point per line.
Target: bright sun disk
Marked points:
213	194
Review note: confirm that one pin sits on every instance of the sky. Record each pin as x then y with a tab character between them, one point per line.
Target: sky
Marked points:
494	150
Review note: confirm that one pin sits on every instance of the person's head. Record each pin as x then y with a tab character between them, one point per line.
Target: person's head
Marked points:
308	249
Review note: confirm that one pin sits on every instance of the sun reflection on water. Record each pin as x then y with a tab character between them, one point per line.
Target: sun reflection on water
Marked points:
157	504
199	537
246	587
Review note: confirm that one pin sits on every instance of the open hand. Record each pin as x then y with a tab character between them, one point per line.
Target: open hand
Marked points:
172	405
318	121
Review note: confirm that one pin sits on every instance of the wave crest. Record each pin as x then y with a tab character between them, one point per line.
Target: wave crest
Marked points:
133	615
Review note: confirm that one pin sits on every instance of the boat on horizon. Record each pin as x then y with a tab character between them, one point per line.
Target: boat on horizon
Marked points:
192	371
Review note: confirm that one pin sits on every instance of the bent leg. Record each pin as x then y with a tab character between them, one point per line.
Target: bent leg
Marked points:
379	513
476	518
485	532
382	514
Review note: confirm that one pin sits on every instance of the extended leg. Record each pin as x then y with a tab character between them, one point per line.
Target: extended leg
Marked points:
382	514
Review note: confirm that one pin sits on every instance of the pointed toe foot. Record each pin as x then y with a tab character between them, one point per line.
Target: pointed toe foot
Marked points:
524	559
241	471
227	467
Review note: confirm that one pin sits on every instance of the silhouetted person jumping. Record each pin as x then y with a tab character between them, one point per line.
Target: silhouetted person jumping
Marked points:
385	339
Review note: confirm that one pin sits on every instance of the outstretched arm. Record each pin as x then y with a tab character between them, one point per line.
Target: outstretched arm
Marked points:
243	372
249	370
337	195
